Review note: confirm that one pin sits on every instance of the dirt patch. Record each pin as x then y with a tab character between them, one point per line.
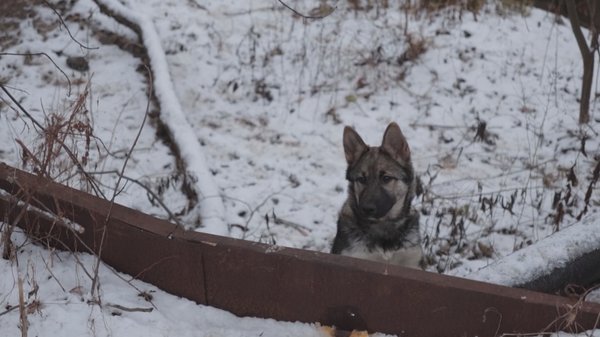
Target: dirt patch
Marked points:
16	9
12	12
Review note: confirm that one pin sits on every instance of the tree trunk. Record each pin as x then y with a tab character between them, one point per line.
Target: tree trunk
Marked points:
586	85
587	55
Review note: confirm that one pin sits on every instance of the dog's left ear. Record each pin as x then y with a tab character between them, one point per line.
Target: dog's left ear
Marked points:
395	144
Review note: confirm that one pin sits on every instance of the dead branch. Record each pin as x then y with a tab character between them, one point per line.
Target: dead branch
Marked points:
171	215
54	218
300	228
52	274
49	58
255	209
67	28
9	251
28	154
320	12
24	324
590	189
122	308
81	242
119	18
112	200
8	309
70	153
250	11
143	271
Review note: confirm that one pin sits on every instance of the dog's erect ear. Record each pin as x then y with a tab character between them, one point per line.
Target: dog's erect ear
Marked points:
395	144
354	146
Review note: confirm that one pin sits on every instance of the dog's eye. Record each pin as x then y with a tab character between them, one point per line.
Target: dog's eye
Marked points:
387	179
361	179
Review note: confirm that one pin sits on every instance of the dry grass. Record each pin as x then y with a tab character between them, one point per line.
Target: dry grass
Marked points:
62	146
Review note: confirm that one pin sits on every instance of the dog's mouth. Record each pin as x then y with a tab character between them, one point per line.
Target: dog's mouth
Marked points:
374	217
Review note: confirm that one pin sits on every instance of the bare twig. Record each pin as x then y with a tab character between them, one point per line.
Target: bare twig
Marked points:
588	193
9	251
323	11
41	240
29	154
120	307
129	282
119	18
137	276
563	322
52	274
172	216
195	4
80	242
67	28
24	324
300	228
70	153
438	126
121	173
255	209
9	309
49	58
48	215
250	11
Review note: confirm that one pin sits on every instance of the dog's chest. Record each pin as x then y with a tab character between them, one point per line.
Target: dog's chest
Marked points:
408	257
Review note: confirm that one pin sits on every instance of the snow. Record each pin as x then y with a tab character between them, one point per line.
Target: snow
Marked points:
537	260
259	98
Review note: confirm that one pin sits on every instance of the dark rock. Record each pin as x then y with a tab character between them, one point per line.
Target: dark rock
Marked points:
78	63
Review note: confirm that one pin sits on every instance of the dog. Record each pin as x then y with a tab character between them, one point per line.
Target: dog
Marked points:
377	221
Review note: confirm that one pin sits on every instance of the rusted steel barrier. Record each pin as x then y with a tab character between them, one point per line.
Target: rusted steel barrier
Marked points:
253	279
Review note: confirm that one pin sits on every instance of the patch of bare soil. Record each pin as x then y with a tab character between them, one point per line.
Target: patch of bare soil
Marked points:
11	13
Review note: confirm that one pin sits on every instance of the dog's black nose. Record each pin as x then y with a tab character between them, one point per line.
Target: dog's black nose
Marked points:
368	210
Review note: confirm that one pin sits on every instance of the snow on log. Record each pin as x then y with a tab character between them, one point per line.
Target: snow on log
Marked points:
212	210
570	256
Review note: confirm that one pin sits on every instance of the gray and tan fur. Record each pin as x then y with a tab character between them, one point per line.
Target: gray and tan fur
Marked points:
377	221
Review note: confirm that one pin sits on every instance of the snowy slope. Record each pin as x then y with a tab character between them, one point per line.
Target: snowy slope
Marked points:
488	103
270	95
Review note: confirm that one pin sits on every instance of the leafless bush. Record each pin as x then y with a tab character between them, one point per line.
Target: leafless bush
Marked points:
70	128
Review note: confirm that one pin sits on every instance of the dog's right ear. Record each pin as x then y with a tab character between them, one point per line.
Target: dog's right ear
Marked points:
395	144
354	146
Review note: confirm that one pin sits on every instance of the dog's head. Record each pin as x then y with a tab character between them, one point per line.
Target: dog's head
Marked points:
381	178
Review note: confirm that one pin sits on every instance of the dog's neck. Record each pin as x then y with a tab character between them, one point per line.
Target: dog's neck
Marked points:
387	234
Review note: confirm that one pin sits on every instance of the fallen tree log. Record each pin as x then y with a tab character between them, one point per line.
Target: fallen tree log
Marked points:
568	257
206	196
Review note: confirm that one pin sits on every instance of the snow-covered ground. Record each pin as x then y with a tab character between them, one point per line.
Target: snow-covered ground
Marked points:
487	101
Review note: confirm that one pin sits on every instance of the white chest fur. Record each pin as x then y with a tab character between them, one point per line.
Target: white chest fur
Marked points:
407	257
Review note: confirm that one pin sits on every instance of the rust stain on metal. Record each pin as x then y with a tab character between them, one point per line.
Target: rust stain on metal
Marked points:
251	279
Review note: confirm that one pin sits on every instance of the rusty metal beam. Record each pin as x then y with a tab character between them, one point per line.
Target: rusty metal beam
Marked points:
253	279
